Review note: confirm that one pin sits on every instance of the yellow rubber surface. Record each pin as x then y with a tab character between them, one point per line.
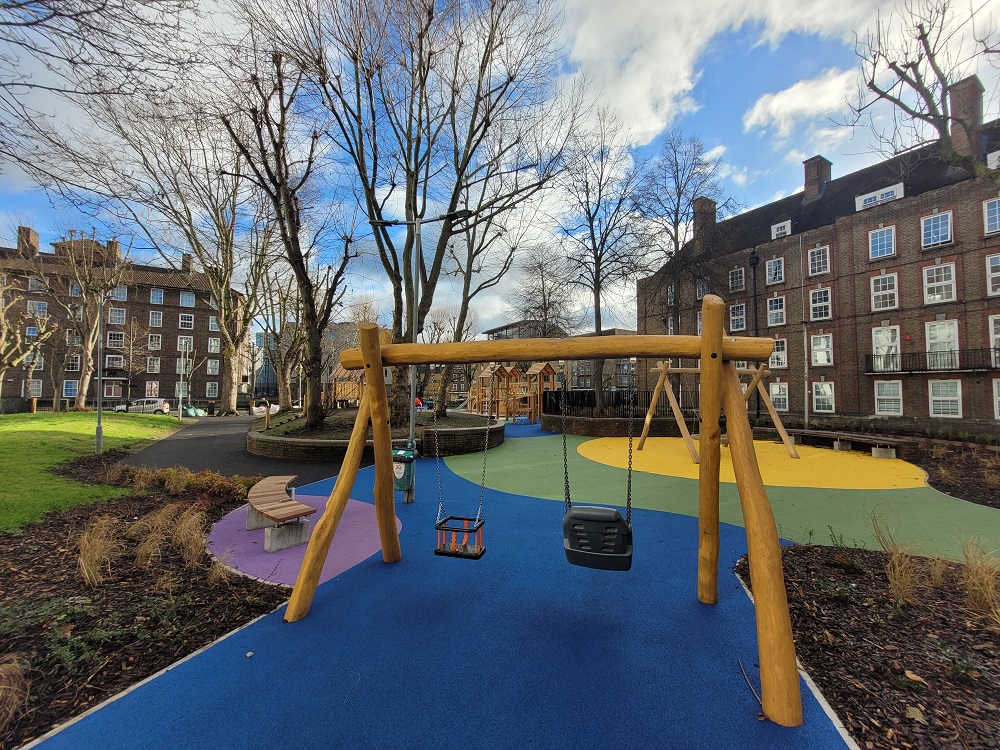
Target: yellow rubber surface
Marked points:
815	467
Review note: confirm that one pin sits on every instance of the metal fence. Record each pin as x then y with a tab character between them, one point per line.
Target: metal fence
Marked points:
616	404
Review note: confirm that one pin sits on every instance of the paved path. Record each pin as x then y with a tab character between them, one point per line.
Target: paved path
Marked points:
219	444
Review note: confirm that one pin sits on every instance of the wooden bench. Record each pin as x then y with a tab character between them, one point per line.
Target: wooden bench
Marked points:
271	506
882	445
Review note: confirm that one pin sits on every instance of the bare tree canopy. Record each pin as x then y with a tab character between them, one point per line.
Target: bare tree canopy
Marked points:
544	294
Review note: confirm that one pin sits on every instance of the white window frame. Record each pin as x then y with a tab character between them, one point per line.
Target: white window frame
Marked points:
774	271
155	318
671	298
213	323
701	287
946	287
778	308
778	393
214	345
156	296
935	401
152	389
74	289
991	216
891	361
114	362
884	299
73	363
73	338
212	367
35	388
34	358
781	230
155	342
993	275
184	365
821	310
699	323
885	400
815	254
942	358
119	294
152	365
37	308
779	355
116	316
993	333
890	232
926	220
68	391
187	299
738	317
821	343
996	398
31	332
212	389
878	197
181	340
185	322
181	388
737	280
116	340
823	385
37	284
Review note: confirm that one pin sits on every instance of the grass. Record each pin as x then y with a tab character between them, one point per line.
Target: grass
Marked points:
982	572
33	444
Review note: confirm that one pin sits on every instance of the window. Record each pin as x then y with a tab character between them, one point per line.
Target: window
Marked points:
776	311
819	260
670	326
212	303
73	338
991	216
779	355
31	332
737	280
74	289
119	293
156	296
819	304
187	299
116	339
878	197
885	349
775	270
37	284
73	363
184	365
700	288
945	398
34	389
112	389
779	395
884	292
737	317
155	342
181	389
822	350
152	388
213	323
152	365
699	322
781	230
37	361
214	346
942	344
116	316
889	398
882	243
114	362
76	313
939	283
671	298
993	274
995	339
936	230
213	367
70	388
155	319
996	398
185	343
186	321
37	309
211	390
823	400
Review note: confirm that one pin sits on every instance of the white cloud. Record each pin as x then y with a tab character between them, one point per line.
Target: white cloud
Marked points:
715	153
805	100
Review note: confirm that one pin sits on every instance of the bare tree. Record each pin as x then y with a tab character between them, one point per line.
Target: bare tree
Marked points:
284	334
17	345
910	61
135	354
279	142
544	293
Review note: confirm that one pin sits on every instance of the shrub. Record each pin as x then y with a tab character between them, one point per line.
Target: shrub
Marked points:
99	545
936	570
980	577
904	577
188	535
155	522
14	688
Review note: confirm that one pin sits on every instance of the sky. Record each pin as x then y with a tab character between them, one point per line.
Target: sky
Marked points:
762	84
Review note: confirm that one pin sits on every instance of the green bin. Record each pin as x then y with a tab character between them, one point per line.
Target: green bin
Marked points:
402	468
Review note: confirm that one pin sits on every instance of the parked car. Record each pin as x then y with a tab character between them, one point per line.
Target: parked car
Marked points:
147	406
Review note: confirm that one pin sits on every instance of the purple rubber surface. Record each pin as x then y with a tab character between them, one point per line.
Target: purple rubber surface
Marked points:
356	539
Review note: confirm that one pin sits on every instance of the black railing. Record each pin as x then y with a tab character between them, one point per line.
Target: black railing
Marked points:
615	404
940	361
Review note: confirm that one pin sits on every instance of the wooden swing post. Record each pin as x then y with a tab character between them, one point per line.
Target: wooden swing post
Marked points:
710	448
779	677
652	404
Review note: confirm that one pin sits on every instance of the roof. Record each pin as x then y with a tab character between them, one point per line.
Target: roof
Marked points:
135	274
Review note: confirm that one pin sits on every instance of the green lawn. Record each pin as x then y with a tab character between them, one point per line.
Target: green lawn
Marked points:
32	444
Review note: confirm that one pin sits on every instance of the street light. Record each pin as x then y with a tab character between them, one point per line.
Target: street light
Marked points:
754	261
454	216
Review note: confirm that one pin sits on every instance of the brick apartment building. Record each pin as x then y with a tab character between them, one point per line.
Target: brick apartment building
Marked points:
160	330
881	289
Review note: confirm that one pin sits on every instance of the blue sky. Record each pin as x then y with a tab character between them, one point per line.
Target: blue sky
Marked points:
761	83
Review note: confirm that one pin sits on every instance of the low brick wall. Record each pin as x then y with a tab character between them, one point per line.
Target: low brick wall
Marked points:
453	442
608	427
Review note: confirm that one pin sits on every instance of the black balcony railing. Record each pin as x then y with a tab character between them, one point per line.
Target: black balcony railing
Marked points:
936	361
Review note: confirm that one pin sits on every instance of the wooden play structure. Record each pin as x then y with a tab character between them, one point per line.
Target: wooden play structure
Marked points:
721	391
757	375
488	393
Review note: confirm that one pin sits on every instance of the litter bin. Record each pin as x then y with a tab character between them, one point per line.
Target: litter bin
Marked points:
211	408
402	468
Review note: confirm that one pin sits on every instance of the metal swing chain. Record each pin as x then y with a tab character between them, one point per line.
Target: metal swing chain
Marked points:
486	449
437	466
628	496
562	408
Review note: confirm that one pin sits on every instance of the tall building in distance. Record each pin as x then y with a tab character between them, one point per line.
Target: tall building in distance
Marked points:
880	289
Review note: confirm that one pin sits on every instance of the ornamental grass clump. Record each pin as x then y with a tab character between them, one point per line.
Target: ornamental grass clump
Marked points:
14	688
99	546
980	576
188	535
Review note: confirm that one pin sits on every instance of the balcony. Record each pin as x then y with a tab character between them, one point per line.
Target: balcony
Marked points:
963	360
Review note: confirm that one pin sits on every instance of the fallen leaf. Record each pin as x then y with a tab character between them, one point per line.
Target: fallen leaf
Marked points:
914	677
829	637
916	714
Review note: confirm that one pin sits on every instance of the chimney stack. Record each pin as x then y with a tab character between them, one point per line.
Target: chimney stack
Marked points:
27	241
187	263
966	98
817	175
114	249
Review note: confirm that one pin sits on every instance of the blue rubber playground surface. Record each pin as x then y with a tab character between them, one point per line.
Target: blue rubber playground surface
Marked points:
516	650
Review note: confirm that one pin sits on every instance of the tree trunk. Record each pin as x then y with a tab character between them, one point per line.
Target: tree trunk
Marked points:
228	385
312	364
399	411
441	397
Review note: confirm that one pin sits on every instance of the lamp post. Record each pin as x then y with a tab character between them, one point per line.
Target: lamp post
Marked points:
754	261
416	223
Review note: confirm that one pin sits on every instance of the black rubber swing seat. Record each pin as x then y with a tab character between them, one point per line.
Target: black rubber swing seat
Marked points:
597	537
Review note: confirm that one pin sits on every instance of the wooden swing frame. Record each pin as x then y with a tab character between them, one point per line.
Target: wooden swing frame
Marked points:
720	391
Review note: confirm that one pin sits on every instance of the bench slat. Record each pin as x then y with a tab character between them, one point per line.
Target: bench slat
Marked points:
270	498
